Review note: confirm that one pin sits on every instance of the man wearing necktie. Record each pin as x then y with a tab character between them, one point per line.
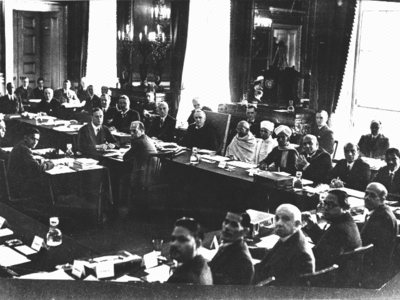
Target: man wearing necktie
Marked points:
251	113
232	264
389	175
163	126
323	133
38	91
25	92
380	230
11	103
109	112
374	144
66	95
123	120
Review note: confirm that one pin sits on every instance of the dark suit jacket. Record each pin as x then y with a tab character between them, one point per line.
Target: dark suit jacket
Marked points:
373	148
109	115
195	271
357	179
232	265
91	103
381	231
87	140
8	106
320	165
275	157
203	138
39	94
165	132
325	138
341	236
123	123
393	187
65	98
255	128
25	94
51	109
286	261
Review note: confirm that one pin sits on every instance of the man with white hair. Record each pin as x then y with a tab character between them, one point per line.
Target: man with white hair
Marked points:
323	133
243	145
197	105
162	126
49	106
266	143
292	254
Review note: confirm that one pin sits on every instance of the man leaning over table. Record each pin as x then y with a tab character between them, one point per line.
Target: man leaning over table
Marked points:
95	136
232	263
24	171
244	144
342	235
187	237
292	254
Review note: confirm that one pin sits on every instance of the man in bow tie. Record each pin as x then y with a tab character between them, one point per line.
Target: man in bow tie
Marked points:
11	103
389	175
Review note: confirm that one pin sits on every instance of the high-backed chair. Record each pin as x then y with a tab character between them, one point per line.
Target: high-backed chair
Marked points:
322	278
221	124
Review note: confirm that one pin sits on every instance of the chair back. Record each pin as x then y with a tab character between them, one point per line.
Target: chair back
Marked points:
221	124
4	189
322	278
352	264
154	170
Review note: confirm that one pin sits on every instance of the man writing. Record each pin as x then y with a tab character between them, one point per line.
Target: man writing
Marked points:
163	126
123	120
187	238
323	133
232	264
243	145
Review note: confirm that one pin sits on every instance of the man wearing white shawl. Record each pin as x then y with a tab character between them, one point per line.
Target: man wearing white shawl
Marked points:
243	145
266	143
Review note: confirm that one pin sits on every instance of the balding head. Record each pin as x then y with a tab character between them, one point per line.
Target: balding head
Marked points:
196	103
199	117
162	109
242	128
287	220
310	144
375	195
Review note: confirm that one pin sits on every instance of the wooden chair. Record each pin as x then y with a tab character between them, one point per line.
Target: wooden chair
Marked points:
321	278
221	124
352	265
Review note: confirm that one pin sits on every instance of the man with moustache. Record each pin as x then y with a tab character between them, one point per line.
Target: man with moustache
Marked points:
389	175
232	264
243	145
192	268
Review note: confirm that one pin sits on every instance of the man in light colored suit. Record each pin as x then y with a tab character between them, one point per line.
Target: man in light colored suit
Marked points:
66	95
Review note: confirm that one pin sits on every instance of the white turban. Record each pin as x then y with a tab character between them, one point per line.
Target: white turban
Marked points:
283	129
267	125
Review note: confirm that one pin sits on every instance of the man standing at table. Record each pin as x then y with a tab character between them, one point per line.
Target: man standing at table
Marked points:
200	134
351	172
187	238
24	170
389	175
11	103
323	133
292	254
267	143
66	95
124	118
95	136
314	162
341	236
38	92
109	112
243	145
24	91
49	106
251	113
380	229
232	264
163	126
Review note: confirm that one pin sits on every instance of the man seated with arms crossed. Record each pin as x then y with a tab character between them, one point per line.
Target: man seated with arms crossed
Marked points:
123	119
380	229
25	92
24	170
244	144
322	132
11	103
109	112
232	264
341	236
66	95
374	144
314	162
266	144
292	254
163	126
200	134
49	106
197	105
187	238
389	175
95	136
38	92
284	155
351	172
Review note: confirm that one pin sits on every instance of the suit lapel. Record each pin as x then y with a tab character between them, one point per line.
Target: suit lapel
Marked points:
92	134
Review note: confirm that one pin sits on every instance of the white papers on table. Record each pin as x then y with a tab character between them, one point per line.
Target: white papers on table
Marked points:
257	217
90	278
120	134
208	254
282	173
150	260
60	170
241	164
125	278
205	151
13	116
24	249
268	241
215	157
73	105
10	257
5	232
160	273
42	151
35	100
65	129
55	275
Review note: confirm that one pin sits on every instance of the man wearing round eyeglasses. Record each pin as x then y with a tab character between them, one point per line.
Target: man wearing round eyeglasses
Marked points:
342	234
244	144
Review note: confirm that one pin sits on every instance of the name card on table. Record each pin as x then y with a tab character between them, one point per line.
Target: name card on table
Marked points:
37	243
105	269
2	220
150	260
222	164
5	232
78	268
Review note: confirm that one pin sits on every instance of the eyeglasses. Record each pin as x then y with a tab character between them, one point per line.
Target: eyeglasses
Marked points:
329	205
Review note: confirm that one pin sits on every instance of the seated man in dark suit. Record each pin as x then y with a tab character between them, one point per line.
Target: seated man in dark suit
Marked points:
3	154
314	162
232	264
109	111
122	121
24	170
196	105
389	175
341	236
25	92
38	92
374	144
11	103
49	106
351	172
323	133
251	113
200	134
66	95
187	238
380	229
95	136
291	256
92	100
163	126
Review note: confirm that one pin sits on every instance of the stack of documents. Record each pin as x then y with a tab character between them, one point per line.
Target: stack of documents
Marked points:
84	163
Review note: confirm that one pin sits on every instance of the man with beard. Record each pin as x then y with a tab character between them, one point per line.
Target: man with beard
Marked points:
243	145
389	175
192	268
232	264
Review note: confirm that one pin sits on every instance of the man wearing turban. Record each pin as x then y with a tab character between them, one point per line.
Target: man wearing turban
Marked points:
266	143
243	145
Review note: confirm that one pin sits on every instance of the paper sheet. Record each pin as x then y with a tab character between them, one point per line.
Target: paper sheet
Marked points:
55	275
126	278
65	129
5	232
60	170
160	273
10	257
268	241
241	164
215	157
24	249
